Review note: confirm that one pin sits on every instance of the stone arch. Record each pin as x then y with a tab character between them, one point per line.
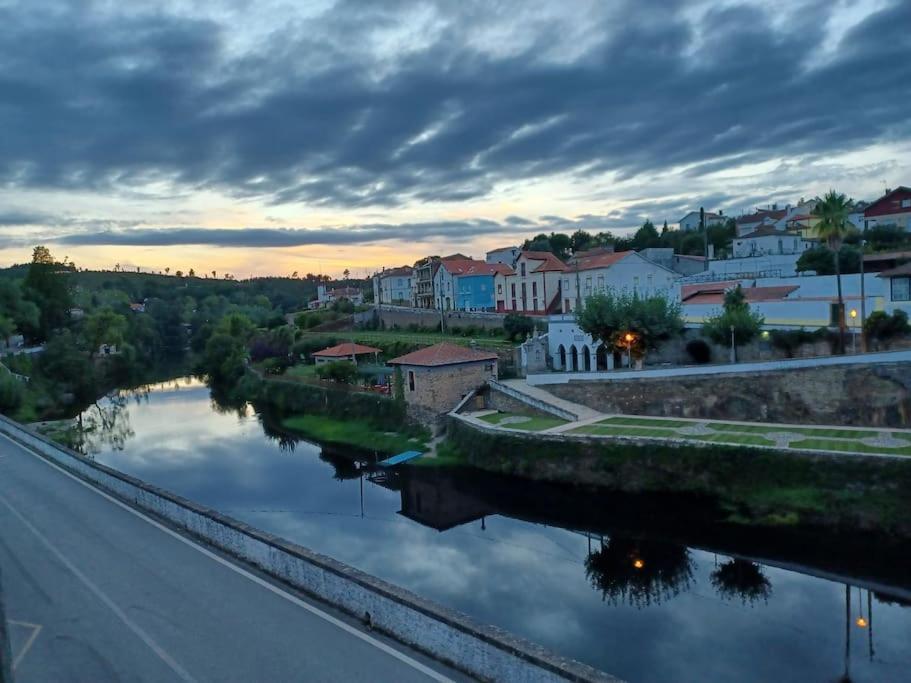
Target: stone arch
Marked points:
574	358
601	357
561	357
586	359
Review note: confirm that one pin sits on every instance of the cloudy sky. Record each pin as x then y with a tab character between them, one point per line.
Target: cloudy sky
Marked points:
285	135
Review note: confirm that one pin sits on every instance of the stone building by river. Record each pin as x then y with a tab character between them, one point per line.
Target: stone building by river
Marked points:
437	377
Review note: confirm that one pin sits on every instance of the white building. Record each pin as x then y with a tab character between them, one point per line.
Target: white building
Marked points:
691	220
897	289
505	255
326	296
767	239
597	271
533	288
393	286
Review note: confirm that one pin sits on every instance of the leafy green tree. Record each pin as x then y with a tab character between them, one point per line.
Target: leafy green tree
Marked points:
104	327
11	392
398	385
7	328
630	322
68	368
833	227
47	286
342	371
737	316
24	314
517	326
821	261
882	327
647	236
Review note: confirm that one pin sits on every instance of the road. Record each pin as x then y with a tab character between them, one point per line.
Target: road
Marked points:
96	591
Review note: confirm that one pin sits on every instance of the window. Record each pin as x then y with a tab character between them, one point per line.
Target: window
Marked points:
780	247
648	279
534	304
906	203
834	317
565	285
534	289
588	286
901	289
635	282
522	268
500	289
411	380
513	286
600	283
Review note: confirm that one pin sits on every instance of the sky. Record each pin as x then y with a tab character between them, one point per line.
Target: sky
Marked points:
282	135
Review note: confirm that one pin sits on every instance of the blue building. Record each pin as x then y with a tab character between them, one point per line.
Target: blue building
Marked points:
474	285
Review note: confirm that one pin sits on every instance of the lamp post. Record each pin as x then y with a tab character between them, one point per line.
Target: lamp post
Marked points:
629	338
863	298
853	315
733	347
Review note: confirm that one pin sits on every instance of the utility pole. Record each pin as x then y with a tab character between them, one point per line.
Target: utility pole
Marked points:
705	236
863	301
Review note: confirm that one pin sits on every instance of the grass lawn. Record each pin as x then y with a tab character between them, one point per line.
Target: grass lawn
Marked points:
645	422
606	430
807	431
534	423
733	439
301	371
906	436
850	446
354	433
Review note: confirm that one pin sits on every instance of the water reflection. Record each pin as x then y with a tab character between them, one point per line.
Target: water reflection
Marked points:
648	588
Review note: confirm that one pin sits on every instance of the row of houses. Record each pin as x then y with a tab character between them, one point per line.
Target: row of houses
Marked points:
510	280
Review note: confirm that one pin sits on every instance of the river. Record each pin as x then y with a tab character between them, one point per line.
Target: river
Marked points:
583	573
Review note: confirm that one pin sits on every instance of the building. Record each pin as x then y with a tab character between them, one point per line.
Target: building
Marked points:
533	287
393	286
475	286
897	289
599	271
572	350
505	255
893	208
768	239
437	377
691	220
752	222
347	351
326	296
856	217
685	264
422	282
885	260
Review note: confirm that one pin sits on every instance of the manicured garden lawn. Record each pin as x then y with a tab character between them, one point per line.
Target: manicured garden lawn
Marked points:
354	433
902	435
850	446
808	431
607	430
733	439
533	423
645	422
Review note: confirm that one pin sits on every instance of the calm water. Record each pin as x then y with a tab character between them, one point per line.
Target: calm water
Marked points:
495	550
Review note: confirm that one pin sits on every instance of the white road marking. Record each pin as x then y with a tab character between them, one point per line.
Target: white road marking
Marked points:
391	651
101	595
36	629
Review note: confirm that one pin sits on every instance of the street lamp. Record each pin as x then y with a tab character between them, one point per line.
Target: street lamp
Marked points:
629	338
733	347
853	315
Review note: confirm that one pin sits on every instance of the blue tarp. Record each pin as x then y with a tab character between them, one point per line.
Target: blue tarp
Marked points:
400	458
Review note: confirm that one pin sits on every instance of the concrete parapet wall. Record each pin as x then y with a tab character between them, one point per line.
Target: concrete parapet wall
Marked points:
482	651
6	655
430	317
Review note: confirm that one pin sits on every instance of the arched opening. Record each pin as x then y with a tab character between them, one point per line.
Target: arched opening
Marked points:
574	356
619	359
601	357
586	359
561	357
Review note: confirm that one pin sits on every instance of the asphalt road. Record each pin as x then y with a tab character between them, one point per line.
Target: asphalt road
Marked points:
96	591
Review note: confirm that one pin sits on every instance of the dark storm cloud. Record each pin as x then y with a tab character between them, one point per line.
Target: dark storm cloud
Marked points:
95	101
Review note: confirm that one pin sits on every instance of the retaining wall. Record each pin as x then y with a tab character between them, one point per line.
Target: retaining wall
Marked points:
504	398
429	317
482	651
6	655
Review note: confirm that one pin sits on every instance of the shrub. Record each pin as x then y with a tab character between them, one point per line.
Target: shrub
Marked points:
883	327
517	326
11	392
343	372
699	351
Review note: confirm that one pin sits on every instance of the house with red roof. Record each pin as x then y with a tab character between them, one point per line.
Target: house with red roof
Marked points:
893	208
533	287
465	284
393	286
437	377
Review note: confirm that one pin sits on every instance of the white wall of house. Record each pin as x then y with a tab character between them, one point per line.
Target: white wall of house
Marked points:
691	220
897	292
392	289
767	265
770	244
633	274
564	336
444	289
507	256
539	288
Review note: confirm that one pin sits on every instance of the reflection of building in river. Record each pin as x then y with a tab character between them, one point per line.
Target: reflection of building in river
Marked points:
437	503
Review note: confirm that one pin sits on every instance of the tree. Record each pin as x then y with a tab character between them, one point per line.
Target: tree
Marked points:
178	273
517	326
398	385
103	327
736	320
46	285
191	273
883	327
346	273
632	323
820	260
7	327
646	236
167	270
833	227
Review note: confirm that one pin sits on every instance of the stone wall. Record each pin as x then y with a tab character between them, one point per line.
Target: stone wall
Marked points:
493	398
872	395
439	389
429	317
482	651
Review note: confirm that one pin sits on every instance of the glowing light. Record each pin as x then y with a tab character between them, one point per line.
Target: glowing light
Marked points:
861	622
638	564
629	338
853	312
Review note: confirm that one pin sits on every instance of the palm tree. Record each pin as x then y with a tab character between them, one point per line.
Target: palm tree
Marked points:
833	227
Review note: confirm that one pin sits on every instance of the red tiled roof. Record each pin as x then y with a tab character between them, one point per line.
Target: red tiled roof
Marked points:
889	203
456	257
551	262
759	216
346	350
598	260
471	267
395	272
443	354
900	270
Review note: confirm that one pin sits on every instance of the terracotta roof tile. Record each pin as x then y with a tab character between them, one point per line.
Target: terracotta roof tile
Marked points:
551	262
443	354
598	260
345	350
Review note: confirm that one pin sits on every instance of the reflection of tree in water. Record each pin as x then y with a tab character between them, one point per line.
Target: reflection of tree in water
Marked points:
345	468
741	578
105	425
224	403
639	572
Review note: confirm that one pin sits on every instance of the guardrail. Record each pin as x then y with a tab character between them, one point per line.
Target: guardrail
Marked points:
482	651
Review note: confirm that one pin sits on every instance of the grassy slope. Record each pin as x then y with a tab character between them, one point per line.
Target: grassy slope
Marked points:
354	433
535	423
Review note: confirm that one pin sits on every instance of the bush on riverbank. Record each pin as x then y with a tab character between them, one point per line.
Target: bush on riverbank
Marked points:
357	433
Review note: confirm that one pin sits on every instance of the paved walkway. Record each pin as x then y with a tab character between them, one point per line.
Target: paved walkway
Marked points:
97	591
581	412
